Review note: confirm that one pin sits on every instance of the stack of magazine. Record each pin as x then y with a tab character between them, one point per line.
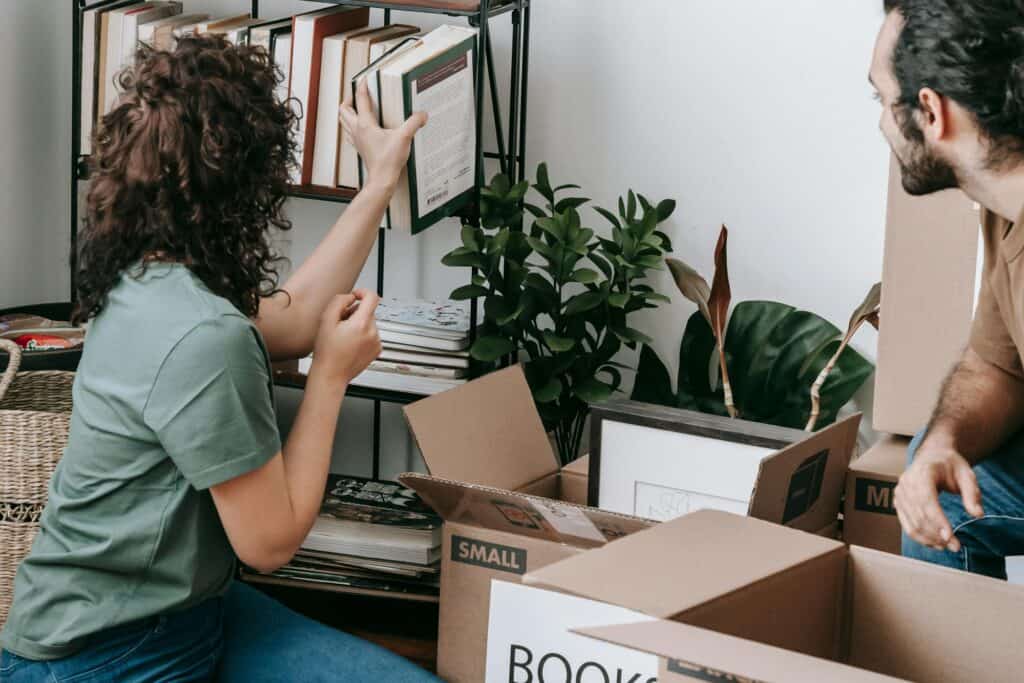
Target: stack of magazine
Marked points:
426	347
371	537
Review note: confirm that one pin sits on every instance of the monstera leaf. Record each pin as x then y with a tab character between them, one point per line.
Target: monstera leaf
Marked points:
774	353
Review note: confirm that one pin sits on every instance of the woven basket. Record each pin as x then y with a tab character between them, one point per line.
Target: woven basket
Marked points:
35	412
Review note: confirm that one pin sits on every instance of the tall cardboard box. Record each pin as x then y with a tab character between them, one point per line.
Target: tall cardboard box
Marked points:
928	290
731	598
508	506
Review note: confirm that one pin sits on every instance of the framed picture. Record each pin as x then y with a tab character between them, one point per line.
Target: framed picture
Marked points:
660	463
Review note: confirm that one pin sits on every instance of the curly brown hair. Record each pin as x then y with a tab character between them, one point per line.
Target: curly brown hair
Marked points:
191	166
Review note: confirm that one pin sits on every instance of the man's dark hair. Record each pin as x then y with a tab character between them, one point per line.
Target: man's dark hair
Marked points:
192	167
972	52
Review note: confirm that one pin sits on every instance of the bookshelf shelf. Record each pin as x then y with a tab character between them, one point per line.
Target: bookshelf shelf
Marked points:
296	380
510	134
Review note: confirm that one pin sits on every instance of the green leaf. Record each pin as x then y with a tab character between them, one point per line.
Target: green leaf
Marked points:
500	185
622	209
543	185
584	302
631	206
549	392
568	186
631	335
649	262
570	203
552	226
614	374
462	258
652	383
542	248
618	299
471	238
468	292
602	264
518	191
592	390
490	349
586	276
535	210
609	216
558	344
665	209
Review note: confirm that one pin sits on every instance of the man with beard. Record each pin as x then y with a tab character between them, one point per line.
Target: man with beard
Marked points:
950	77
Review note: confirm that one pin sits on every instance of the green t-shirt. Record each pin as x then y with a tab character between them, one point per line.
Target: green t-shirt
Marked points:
173	395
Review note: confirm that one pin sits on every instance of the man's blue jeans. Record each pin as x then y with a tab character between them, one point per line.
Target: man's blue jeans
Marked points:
985	542
245	637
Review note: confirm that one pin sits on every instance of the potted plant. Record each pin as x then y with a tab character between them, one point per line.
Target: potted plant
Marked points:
763	361
557	296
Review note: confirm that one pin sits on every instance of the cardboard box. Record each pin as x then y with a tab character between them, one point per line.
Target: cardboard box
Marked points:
508	507
731	598
928	294
869	511
495	480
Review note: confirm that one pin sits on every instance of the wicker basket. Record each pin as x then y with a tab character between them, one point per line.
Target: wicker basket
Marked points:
35	412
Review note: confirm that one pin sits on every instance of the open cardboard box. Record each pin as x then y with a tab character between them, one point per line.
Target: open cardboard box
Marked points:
720	597
509	509
869	509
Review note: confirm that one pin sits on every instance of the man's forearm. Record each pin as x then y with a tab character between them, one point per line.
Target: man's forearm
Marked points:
980	407
289	321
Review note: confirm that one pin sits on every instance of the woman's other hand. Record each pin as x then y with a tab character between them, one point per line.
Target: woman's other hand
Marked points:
348	340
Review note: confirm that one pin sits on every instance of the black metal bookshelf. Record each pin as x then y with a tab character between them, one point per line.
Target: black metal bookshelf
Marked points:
510	153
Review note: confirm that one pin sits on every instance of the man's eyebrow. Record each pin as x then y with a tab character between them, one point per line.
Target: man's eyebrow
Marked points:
871	80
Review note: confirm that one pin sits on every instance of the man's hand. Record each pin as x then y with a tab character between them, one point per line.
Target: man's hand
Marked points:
935	468
383	151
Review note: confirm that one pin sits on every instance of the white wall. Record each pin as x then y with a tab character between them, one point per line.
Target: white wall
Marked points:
35	143
755	113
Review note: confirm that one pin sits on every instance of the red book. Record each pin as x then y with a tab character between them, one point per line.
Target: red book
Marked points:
308	33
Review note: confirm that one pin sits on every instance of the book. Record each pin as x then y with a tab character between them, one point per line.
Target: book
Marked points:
415	571
443	319
358	50
326	140
262	35
423	341
408	384
222	24
134	20
111	24
437	77
159	34
92	67
378	50
375	520
393	353
418	370
308	33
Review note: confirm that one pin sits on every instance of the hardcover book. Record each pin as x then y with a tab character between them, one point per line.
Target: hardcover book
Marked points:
444	319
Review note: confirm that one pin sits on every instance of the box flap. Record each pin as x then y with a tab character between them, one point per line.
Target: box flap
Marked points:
520	514
801	485
887	457
700	654
579	467
680	564
485	432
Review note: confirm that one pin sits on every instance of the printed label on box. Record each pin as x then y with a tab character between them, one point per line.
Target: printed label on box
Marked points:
702	673
489	555
569	521
874	495
530	639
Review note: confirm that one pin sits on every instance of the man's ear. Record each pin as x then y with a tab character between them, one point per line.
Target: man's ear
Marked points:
934	116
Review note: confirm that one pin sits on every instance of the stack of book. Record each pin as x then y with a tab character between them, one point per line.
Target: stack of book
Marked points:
371	537
426	347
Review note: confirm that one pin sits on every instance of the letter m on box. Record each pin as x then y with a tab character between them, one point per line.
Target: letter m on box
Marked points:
874	495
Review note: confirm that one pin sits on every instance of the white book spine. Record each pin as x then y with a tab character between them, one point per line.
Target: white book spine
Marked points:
90	24
301	65
325	148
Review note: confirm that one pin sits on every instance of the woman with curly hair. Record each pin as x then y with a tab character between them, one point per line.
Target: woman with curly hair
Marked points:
174	463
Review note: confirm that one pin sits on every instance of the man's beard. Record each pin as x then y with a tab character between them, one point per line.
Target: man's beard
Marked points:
922	170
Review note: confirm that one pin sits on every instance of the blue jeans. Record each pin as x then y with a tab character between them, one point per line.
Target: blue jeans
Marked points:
985	542
243	637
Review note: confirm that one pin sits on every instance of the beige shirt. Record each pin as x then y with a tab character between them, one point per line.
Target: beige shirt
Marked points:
997	334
